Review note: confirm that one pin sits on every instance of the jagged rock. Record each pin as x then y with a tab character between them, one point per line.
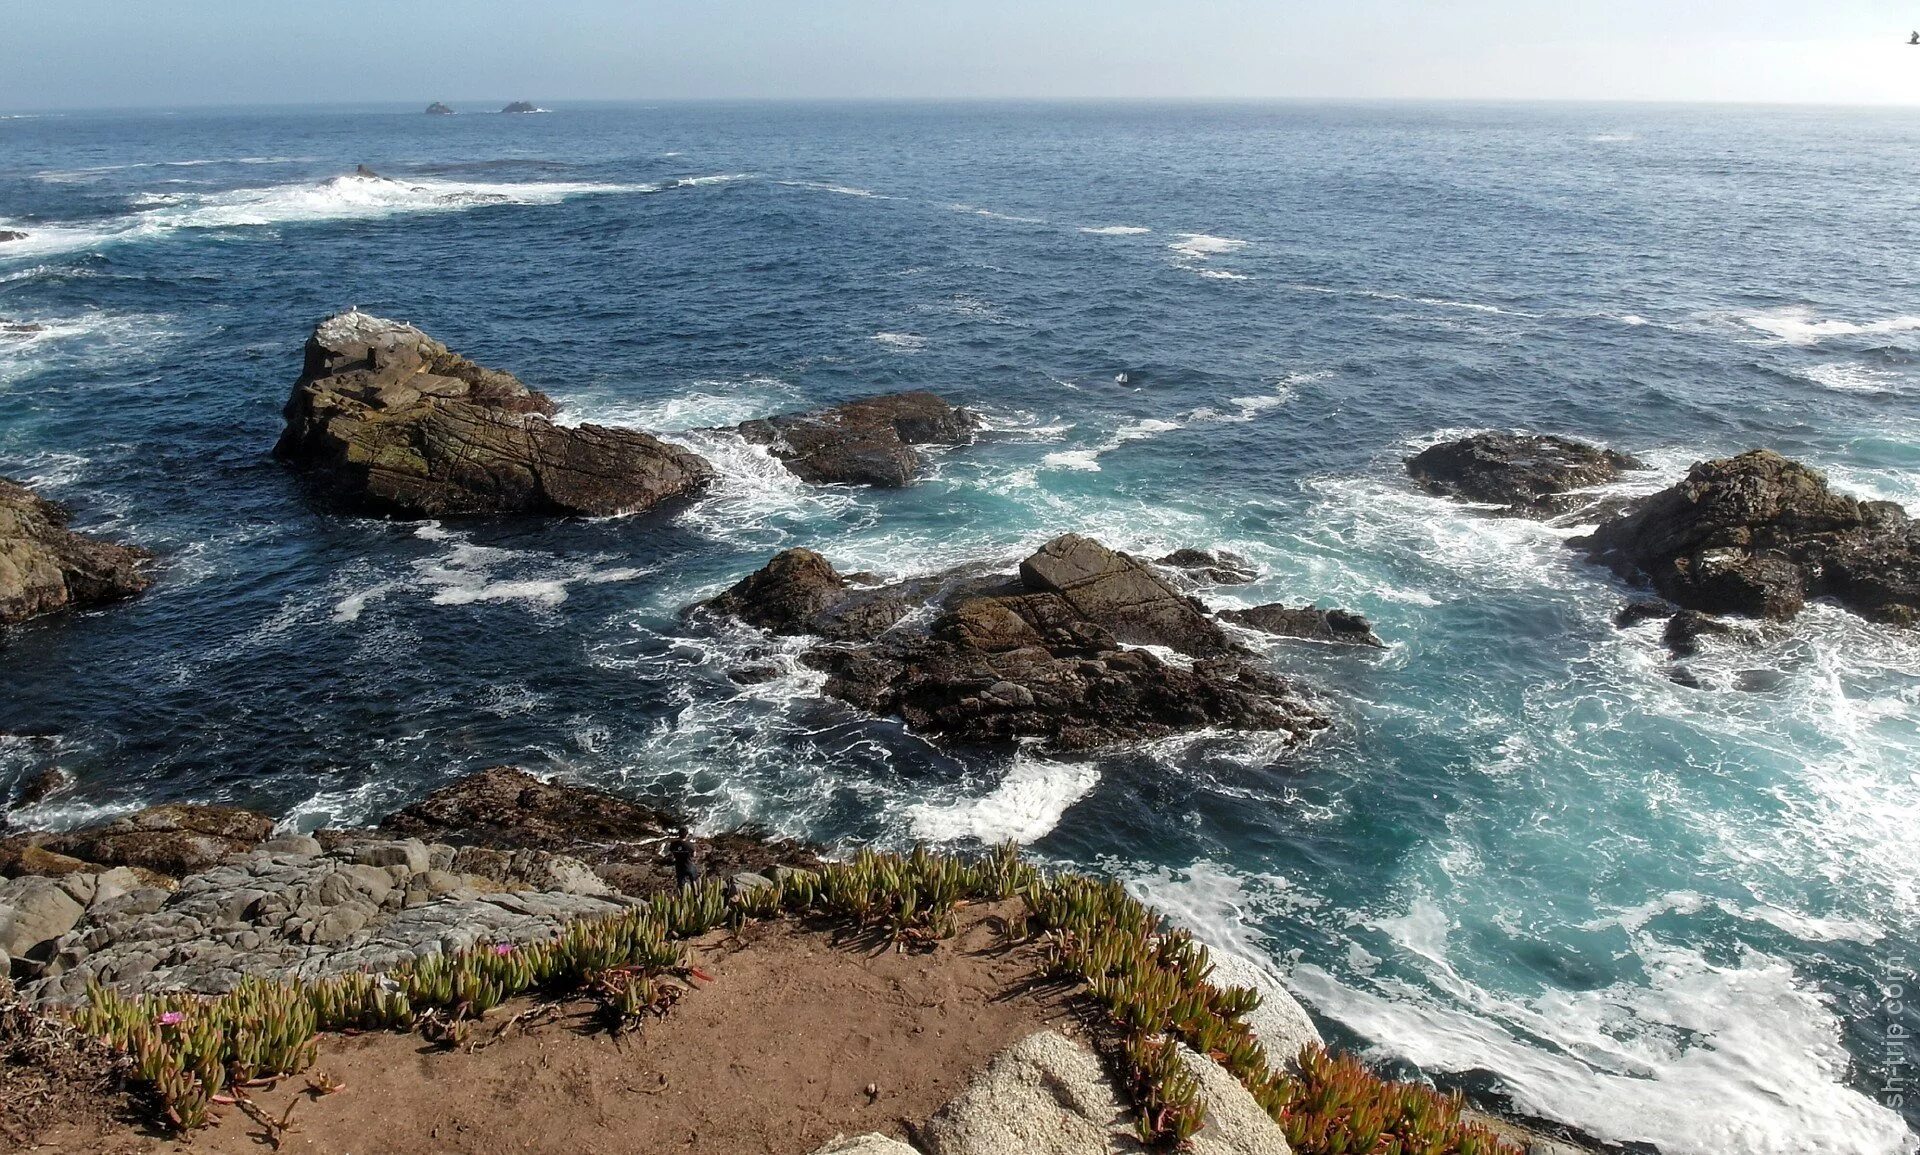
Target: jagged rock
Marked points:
1043	657
387	420
1122	595
175	839
1221	567
1311	623
1525	472
45	567
507	808
33	913
753	675
1686	628
1640	610
1758	535
864	442
11	235
799	592
438	109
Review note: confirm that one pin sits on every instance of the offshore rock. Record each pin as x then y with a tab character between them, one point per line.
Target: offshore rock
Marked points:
1526	472
44	566
1221	567
385	419
864	442
1043	656
1309	623
522	106
438	109
1759	535
11	235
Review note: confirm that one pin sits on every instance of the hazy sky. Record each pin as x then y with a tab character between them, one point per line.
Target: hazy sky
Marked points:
89	53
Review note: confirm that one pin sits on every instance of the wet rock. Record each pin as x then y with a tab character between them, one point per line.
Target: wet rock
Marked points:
1686	628
1758	535
1525	472
11	235
385	419
799	592
174	839
44	566
752	675
864	442
1640	610
1220	567
1122	595
508	808
438	109
42	786
1310	623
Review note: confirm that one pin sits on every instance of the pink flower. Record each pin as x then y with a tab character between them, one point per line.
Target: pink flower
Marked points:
503	948
172	1017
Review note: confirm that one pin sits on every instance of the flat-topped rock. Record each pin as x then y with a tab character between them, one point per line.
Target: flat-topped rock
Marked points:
865	442
385	419
1759	535
174	839
1526	472
44	566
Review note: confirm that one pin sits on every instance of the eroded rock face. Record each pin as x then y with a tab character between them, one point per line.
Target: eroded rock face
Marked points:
864	442
385	419
44	566
1041	656
508	808
1758	535
1309	623
1526	472
175	839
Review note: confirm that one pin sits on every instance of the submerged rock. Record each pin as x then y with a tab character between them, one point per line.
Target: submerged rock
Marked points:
1758	535
864	442
387	420
1526	472
1310	623
1041	656
438	109
44	566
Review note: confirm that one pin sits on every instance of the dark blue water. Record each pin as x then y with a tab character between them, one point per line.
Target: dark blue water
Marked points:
1658	912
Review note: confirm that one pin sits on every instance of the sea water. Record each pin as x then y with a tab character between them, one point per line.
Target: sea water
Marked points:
1525	860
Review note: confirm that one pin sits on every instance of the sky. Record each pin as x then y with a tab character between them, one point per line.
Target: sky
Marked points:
135	53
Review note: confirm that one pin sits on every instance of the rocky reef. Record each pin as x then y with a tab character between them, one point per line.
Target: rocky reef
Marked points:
1528	474
1053	652
1758	535
44	566
384	419
865	442
1308	623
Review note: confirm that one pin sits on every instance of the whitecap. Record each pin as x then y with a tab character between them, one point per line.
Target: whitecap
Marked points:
1223	275
1027	804
903	342
1115	230
1201	246
1851	377
1798	325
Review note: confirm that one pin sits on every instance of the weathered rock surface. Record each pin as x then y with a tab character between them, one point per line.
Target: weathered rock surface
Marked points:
387	420
1526	472
1210	567
869	1144
174	839
864	442
1048	1095
1310	623
1039	656
1758	535
44	566
1280	1023
36	911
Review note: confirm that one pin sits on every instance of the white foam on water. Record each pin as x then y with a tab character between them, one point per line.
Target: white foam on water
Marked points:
755	500
1027	804
1612	137
1087	459
1851	377
1201	246
840	189
465	574
338	809
902	342
30	345
69	176
1433	302
997	216
1083	460
1115	230
1799	325
702	404
1223	275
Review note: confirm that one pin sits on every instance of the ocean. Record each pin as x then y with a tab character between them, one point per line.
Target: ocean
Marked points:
1525	860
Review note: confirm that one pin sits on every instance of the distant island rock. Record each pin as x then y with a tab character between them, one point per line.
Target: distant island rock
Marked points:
1528	473
385	419
1759	535
1047	653
523	106
864	442
44	566
438	109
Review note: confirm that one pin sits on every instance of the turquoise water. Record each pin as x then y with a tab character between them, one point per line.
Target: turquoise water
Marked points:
1525	860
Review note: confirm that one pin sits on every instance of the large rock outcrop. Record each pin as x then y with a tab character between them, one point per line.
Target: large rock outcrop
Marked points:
1528	473
1042	655
1758	535
44	566
385	419
864	442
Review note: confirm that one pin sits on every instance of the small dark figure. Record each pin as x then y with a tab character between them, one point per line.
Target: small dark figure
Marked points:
1914	39
686	870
